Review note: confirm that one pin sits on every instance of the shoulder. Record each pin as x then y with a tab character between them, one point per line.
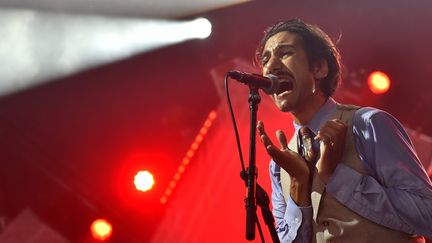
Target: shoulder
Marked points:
371	115
368	112
374	121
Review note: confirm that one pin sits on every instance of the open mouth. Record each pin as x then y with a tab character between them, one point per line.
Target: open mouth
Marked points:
284	86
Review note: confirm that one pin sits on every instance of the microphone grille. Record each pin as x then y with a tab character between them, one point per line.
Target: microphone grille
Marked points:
274	84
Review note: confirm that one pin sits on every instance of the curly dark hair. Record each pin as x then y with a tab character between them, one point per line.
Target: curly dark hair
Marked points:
317	45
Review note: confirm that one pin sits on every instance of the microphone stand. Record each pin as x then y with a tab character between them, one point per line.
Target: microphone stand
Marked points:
255	193
263	201
254	99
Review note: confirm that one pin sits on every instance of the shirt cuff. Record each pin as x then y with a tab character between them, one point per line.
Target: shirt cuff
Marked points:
295	217
346	176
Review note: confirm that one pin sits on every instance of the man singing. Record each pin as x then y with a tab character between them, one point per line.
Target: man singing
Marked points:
349	174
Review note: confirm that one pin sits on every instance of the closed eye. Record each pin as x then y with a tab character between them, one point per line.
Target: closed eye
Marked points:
286	54
264	60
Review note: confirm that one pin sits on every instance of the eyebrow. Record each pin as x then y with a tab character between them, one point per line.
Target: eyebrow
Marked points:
280	46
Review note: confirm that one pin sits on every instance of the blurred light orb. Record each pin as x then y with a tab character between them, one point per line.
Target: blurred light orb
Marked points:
144	181
379	82
101	229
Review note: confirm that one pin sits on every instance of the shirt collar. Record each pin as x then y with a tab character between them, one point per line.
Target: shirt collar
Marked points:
326	110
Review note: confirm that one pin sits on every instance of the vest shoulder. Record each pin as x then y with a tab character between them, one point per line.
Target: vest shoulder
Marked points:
347	107
365	113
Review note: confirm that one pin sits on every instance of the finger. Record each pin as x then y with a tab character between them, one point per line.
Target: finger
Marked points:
336	125
273	151
260	128
266	140
276	154
324	137
324	154
263	135
332	130
327	133
290	161
282	139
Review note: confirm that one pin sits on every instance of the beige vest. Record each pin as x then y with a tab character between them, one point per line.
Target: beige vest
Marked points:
332	221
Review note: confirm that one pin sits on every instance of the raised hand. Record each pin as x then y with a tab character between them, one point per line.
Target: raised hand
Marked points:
332	136
291	162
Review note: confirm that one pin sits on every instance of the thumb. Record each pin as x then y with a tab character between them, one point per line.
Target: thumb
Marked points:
324	150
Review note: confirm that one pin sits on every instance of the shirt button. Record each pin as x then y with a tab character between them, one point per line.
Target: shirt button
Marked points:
325	223
297	220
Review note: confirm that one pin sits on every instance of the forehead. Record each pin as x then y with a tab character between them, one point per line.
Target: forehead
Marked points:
282	39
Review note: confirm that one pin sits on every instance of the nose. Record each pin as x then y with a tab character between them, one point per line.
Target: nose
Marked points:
272	66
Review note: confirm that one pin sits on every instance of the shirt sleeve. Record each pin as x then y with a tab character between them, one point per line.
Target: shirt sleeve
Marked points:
396	192
293	223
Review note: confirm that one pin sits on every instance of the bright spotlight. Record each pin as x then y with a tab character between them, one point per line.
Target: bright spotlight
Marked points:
378	82
144	181
70	43
101	229
201	28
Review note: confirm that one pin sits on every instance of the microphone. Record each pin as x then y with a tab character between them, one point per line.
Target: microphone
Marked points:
269	83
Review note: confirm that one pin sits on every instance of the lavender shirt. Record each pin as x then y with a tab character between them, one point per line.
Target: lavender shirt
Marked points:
396	193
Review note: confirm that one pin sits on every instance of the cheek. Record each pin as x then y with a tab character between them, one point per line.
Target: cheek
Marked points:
288	62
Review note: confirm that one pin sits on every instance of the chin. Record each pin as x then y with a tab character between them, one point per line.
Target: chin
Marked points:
285	108
283	105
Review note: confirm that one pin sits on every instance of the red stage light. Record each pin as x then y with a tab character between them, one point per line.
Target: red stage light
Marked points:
163	199
378	82
203	131
144	181
195	146
186	161
101	229
189	154
212	115
199	138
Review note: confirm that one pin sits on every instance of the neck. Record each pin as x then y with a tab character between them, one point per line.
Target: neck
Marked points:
305	115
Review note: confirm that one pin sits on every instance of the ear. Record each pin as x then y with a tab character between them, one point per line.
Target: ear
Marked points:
321	69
